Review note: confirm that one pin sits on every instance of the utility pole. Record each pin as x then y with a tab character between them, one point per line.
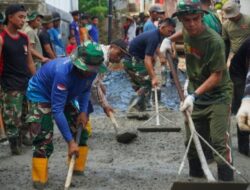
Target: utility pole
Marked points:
142	5
110	22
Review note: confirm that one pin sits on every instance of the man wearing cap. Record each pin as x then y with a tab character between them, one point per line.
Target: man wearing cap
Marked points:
84	33
154	13
56	36
34	22
74	27
16	68
140	65
236	29
51	92
44	37
210	88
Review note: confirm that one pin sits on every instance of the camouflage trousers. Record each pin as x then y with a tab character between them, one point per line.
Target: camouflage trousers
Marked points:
140	81
138	75
14	113
41	124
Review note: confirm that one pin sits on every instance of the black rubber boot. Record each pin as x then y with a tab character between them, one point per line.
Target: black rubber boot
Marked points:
195	169
225	173
15	145
243	141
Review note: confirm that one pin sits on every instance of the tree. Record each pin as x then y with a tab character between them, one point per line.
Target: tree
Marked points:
94	8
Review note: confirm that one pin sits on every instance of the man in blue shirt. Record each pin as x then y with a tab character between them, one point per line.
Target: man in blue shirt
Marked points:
51	92
140	66
56	36
93	29
154	12
74	27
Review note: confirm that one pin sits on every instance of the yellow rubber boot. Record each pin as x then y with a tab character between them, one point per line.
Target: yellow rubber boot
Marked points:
81	160
39	172
89	128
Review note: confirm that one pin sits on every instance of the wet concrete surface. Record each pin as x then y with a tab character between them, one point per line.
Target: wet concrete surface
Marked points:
150	162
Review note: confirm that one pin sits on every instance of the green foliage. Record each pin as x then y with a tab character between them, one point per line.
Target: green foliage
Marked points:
94	7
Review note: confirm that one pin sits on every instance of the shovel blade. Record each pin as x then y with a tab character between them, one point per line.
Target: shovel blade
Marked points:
126	137
209	186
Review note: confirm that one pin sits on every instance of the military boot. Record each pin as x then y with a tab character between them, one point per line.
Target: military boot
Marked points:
195	169
225	173
15	145
243	142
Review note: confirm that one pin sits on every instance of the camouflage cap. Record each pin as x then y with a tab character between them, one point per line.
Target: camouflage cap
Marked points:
89	57
47	19
188	7
33	15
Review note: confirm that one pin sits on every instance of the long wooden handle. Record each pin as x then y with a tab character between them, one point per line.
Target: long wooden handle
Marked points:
197	143
72	160
70	172
157	107
113	120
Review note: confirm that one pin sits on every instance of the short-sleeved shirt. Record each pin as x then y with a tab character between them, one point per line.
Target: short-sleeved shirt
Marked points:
145	44
44	38
205	54
83	34
94	32
56	39
74	26
148	26
34	39
236	32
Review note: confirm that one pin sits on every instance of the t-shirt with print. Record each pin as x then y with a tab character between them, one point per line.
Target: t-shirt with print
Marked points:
236	32
205	55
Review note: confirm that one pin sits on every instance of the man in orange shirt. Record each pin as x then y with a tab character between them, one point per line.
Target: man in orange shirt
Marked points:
84	35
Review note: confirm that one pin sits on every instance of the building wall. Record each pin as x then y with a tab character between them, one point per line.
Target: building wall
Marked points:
245	6
66	6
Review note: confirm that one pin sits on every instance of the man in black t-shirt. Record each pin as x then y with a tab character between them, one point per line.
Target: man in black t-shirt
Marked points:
44	37
238	72
16	67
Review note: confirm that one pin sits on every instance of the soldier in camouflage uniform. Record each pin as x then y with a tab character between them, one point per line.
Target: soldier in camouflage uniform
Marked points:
16	69
140	66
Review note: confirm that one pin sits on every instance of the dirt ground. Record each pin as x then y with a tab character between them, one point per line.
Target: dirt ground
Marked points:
149	162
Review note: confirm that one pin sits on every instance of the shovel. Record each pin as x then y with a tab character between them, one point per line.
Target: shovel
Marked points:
72	161
121	137
195	186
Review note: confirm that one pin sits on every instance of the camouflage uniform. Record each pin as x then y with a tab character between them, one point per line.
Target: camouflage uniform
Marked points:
14	112
140	80
40	120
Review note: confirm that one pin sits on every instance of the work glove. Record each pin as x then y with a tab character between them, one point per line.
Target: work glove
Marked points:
165	45
188	104
243	115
